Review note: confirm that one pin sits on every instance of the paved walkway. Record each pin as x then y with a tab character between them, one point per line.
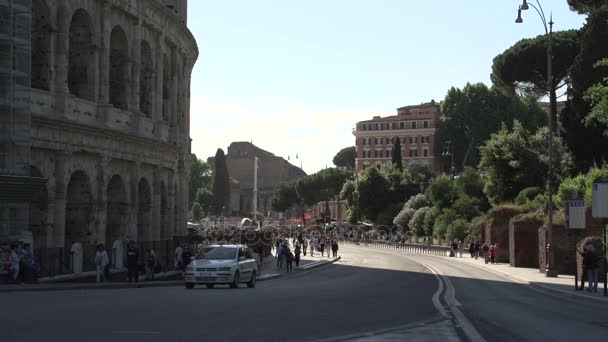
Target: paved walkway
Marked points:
563	283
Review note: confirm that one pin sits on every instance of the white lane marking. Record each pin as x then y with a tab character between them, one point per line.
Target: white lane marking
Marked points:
436	301
461	319
137	332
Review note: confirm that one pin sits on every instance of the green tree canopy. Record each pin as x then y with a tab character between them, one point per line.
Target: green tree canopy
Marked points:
514	160
522	68
221	181
197	212
417	223
587	6
284	196
469	115
346	158
597	96
200	177
206	199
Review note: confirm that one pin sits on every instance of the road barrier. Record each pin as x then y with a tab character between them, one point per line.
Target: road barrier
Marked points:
410	247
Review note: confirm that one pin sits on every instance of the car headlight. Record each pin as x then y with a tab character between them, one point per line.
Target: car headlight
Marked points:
224	269
189	269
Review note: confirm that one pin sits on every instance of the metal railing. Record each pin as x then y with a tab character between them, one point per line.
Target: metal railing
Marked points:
417	248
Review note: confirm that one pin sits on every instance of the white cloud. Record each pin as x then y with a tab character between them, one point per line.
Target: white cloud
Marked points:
315	135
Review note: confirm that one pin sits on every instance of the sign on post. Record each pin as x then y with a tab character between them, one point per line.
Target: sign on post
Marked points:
600	199
575	214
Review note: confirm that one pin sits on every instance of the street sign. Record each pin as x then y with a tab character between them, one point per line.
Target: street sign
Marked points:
600	200
575	214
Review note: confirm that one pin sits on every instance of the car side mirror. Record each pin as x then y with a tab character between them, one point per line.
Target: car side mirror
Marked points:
241	258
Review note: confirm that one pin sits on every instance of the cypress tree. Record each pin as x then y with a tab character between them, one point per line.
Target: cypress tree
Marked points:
397	154
221	182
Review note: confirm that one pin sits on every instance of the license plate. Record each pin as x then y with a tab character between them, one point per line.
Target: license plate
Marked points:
205	274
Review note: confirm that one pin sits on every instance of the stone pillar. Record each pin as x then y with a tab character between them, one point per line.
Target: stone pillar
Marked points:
158	104
59	200
155	220
103	73
100	202
134	203
174	94
170	205
59	53
135	62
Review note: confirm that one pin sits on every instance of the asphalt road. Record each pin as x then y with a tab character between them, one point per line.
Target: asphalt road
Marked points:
363	292
370	295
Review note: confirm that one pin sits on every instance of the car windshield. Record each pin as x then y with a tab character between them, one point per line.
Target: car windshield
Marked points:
217	253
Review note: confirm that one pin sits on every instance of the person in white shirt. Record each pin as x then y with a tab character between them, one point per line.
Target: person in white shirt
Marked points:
101	262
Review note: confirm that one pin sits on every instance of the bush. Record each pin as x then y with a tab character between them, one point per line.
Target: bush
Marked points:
527	195
385	217
580	186
416	224
417	201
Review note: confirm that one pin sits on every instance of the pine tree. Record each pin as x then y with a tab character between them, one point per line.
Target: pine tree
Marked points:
397	154
221	182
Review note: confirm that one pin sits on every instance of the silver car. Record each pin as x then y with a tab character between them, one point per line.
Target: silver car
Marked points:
222	264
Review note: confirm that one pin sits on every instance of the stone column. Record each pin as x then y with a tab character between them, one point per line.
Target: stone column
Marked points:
135	62
59	53
134	203
103	79
174	93
60	199
101	200
170	205
158	104
186	123
155	220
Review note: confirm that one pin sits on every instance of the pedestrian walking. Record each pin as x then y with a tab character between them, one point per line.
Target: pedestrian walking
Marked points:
132	263
472	249
593	268
101	262
477	249
312	247
289	256
304	246
460	248
493	251
13	269
334	248
298	251
485	250
584	267
178	258
322	249
149	264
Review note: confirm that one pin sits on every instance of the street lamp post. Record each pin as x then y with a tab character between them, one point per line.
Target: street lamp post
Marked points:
550	270
448	151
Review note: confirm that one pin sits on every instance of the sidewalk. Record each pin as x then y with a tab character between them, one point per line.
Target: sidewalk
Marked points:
269	271
563	284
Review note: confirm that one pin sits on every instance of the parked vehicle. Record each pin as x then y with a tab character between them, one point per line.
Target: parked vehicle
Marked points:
222	264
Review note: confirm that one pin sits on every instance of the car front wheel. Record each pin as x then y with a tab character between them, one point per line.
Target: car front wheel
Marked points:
235	280
251	283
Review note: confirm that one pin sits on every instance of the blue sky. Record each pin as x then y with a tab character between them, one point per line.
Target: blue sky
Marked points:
295	76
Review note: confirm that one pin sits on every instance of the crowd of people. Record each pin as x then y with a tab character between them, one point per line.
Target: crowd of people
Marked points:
286	256
488	250
20	266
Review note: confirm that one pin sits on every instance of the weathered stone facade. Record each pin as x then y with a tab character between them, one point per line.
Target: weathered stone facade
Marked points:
110	126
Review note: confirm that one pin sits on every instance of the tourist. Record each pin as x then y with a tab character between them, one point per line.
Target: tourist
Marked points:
279	255
149	264
132	263
26	264
289	257
334	248
101	262
592	264
13	269
298	251
472	249
322	249
312	247
304	246
178	258
477	249
584	269
460	248
485	250
493	250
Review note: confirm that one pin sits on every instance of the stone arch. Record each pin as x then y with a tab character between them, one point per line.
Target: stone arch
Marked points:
144	210
146	79
41	45
166	88
38	213
164	222
119	68
78	209
81	58
117	211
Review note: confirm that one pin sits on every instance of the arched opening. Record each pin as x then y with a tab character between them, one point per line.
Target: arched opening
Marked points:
164	222
117	211
38	214
146	79
144	199
78	211
119	70
81	58
41	45
166	88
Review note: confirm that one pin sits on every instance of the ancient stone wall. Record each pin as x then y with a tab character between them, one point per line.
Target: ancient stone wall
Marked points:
110	127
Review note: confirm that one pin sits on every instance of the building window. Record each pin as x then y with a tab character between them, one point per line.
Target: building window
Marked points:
425	152
413	140
425	140
402	140
413	153
378	127
413	124
402	125
426	124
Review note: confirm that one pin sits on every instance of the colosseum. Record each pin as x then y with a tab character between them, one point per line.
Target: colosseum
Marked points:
109	130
